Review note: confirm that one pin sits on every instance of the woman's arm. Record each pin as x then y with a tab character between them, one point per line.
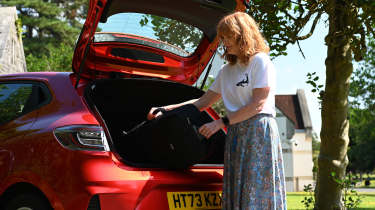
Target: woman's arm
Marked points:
259	98
254	107
206	100
210	97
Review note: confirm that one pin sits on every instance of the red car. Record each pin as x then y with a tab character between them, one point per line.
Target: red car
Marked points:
60	133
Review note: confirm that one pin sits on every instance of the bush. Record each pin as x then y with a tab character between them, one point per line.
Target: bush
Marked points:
56	59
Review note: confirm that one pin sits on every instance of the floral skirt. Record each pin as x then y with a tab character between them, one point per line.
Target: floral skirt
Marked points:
253	166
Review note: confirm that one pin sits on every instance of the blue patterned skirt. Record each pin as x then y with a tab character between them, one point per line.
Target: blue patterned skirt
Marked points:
253	166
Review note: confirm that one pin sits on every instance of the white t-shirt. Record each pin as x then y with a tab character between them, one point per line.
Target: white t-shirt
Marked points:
236	82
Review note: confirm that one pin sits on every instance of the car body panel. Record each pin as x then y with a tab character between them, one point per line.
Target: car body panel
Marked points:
70	178
93	60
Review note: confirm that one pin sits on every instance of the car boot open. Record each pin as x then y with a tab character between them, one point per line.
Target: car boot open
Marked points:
124	103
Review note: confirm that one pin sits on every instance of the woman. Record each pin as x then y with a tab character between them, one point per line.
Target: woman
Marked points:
253	167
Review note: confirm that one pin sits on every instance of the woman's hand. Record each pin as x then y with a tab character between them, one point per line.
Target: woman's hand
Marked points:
208	129
201	103
154	113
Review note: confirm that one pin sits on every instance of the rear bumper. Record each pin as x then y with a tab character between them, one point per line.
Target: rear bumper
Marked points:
156	198
110	185
145	195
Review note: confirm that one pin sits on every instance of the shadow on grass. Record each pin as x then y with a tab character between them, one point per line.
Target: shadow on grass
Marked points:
294	201
352	209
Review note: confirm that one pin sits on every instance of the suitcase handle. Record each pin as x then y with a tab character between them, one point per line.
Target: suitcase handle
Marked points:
159	109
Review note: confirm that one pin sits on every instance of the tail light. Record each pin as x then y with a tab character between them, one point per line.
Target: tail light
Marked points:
82	137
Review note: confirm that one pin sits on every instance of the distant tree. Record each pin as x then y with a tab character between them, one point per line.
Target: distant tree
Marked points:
315	142
13	104
47	24
362	85
362	141
283	22
362	114
218	106
349	22
315	150
174	32
57	59
74	11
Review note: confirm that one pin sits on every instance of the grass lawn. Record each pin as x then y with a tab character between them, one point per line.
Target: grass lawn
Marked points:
372	183
364	177
362	184
294	201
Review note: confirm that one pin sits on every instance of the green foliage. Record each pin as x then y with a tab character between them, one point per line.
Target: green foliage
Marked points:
174	32
74	11
312	80
308	201
218	106
362	84
350	198
47	25
294	200
315	142
349	22
315	150
19	28
57	59
286	22
362	114
13	105
283	22
362	140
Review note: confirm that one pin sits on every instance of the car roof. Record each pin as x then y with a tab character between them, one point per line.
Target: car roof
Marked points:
33	75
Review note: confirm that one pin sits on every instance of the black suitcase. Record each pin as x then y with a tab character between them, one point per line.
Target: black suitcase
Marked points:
172	140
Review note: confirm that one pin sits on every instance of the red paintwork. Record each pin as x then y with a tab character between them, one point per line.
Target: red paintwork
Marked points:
30	153
176	68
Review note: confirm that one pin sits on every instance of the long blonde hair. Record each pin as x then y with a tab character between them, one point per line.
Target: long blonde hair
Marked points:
245	31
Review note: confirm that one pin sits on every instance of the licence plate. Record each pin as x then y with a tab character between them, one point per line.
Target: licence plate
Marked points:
194	200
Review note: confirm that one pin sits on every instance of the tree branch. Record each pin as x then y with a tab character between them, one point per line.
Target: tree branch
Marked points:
303	55
312	29
370	28
289	15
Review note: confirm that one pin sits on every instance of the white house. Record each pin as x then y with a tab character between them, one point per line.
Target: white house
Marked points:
295	129
12	58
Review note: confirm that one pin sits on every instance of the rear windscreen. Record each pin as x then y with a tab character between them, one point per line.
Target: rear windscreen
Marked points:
150	30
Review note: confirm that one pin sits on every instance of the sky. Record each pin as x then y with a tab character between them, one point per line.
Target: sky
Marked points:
291	69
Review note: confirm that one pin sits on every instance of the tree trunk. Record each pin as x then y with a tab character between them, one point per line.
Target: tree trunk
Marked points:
335	123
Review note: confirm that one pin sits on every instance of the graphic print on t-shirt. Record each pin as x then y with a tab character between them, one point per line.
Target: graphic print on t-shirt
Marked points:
244	82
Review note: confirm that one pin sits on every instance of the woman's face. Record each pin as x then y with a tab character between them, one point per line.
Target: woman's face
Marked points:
231	45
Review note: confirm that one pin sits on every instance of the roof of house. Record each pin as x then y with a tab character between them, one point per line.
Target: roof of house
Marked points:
295	108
